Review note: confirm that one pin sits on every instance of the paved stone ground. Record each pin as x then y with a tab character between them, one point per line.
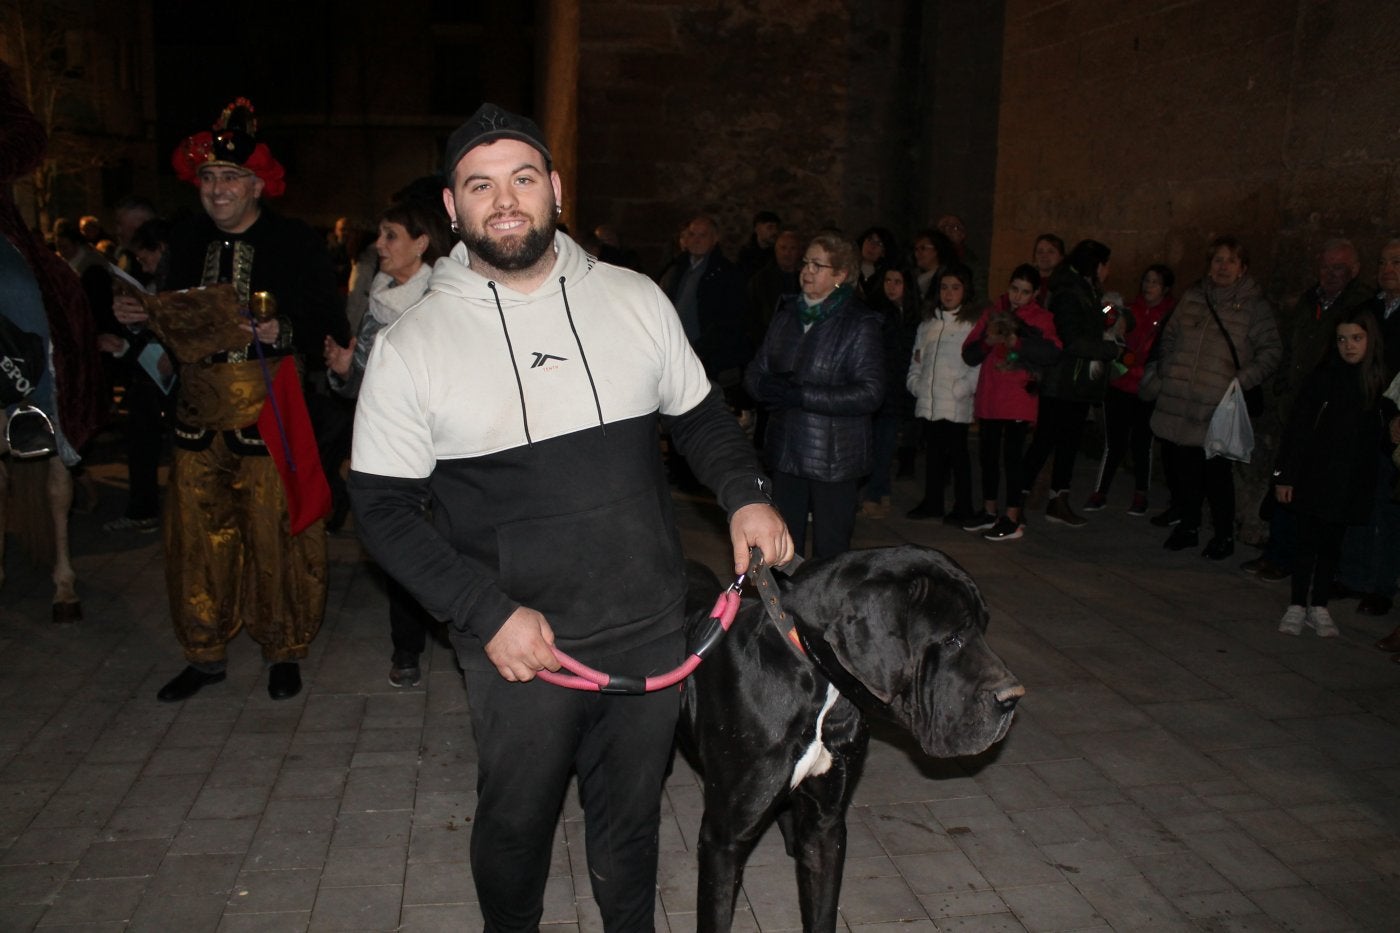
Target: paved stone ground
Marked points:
1176	765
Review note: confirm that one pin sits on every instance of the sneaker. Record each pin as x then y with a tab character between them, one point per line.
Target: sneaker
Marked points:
980	522
1096	502
1292	621
1139	506
404	671
1320	620
1059	511
958	518
1166	519
132	524
1004	530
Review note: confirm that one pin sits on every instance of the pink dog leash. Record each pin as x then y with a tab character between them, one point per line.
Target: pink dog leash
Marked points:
584	677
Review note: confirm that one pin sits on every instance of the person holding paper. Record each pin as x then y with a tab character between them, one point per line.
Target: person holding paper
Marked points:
236	552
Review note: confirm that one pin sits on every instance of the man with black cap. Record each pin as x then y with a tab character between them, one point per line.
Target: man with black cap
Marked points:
506	471
233	557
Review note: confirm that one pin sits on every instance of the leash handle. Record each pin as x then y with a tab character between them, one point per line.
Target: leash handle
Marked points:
586	678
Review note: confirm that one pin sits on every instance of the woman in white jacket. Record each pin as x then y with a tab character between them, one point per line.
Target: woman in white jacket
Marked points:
943	387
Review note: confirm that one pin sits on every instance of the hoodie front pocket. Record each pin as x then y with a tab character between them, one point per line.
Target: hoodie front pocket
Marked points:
595	574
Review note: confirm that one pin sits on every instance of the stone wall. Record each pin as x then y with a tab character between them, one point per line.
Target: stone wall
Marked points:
1154	125
732	107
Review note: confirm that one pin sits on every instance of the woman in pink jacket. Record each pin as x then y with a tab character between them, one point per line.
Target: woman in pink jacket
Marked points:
1013	340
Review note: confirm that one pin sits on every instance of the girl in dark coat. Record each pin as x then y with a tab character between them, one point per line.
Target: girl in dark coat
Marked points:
898	307
1326	463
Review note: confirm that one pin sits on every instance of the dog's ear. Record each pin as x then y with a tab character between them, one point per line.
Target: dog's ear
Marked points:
868	641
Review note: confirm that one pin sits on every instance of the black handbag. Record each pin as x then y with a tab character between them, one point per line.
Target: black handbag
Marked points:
1253	397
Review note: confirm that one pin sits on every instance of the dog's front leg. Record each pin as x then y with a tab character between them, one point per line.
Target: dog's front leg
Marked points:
815	825
818	844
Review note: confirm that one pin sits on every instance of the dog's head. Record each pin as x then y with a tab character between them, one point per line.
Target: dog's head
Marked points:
908	624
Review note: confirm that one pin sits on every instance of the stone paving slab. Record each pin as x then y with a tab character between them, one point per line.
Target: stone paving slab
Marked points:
1176	764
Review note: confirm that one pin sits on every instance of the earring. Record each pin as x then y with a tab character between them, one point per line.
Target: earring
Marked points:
455	227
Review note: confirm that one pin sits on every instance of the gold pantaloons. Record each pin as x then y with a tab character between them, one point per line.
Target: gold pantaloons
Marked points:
230	561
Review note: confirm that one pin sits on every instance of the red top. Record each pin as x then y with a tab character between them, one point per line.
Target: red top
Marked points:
1001	384
1147	327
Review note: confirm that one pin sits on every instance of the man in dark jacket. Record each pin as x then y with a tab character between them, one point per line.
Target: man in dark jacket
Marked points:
708	292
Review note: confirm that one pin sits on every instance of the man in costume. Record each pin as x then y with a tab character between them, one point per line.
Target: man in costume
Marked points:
234	556
506	470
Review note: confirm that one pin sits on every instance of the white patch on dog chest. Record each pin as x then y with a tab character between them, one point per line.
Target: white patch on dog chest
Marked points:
816	759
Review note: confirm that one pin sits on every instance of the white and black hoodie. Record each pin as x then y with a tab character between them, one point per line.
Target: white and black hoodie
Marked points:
506	453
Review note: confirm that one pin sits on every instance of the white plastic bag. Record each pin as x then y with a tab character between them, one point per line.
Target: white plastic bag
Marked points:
1230	435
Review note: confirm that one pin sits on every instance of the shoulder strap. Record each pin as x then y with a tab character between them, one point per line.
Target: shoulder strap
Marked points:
1205	292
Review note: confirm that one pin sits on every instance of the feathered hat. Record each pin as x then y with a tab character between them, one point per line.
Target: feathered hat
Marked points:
231	143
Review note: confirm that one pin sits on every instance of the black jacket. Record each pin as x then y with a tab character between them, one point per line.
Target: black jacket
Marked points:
1332	446
1079	323
822	387
724	340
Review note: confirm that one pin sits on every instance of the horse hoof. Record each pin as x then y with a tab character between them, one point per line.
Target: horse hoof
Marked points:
67	613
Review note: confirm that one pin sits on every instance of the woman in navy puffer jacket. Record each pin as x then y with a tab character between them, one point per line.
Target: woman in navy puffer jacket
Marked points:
821	374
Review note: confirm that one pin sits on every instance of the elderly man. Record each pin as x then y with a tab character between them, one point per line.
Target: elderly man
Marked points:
708	292
538	515
1307	334
232	559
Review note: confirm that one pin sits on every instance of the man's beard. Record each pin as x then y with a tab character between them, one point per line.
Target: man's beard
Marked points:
514	253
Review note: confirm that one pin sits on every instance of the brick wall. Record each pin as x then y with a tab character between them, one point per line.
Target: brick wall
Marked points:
1155	125
732	107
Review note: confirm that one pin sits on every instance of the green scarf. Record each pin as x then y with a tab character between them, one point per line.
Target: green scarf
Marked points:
811	314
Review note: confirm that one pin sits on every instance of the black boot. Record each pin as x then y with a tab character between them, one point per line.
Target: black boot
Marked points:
1182	538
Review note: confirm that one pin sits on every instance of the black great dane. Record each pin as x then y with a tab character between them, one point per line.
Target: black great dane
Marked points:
780	733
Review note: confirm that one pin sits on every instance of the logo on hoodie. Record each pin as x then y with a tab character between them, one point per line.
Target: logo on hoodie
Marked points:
544	359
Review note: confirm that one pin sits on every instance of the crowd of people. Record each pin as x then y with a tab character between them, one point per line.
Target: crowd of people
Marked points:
504	382
911	356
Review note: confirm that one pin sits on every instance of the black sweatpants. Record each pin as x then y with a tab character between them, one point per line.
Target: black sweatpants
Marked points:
408	622
1127	427
833	508
1059	430
1319	552
1200	480
1002	448
148	416
529	738
945	451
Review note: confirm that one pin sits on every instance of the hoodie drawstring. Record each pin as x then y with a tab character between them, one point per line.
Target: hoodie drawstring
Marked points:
510	351
519	383
568	312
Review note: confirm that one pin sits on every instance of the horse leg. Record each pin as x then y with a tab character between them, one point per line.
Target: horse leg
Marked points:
66	607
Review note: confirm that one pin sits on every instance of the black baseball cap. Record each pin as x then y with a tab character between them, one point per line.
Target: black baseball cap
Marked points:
489	124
